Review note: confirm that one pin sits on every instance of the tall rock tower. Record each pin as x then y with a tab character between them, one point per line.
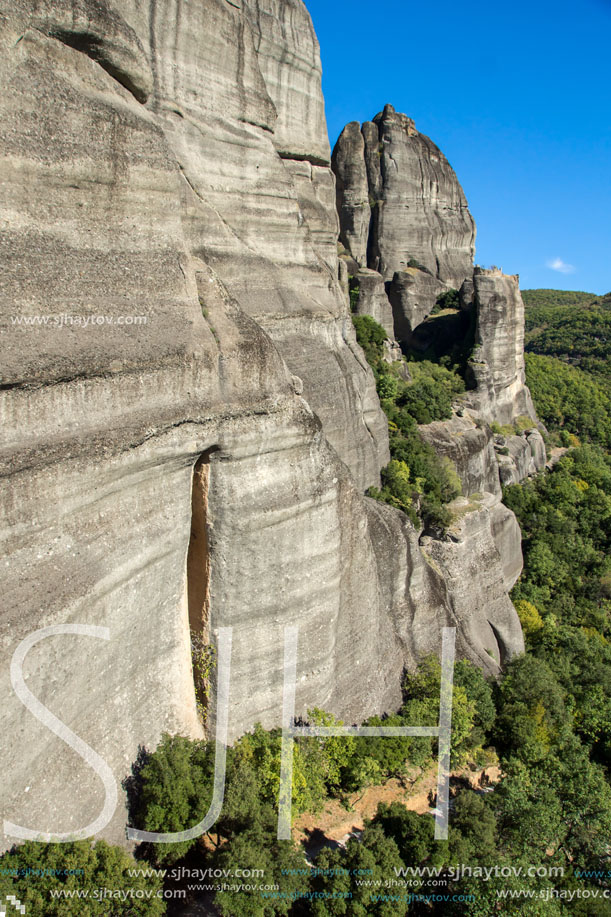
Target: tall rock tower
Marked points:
402	213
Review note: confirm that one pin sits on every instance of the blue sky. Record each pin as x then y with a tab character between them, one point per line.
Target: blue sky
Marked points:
517	97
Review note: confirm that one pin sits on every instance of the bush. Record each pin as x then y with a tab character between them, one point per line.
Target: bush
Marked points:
92	867
415	468
448	300
529	616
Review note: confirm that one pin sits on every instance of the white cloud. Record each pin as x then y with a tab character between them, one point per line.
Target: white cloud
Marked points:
557	264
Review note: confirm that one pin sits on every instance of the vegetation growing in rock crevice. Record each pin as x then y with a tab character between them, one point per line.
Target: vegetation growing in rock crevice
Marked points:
416	479
446	336
448	300
203	661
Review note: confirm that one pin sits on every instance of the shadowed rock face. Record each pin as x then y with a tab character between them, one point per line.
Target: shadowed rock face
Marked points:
352	188
170	300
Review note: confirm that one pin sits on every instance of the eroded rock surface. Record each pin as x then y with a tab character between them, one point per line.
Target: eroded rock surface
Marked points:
497	363
520	456
399	201
372	299
471	450
171	300
483	559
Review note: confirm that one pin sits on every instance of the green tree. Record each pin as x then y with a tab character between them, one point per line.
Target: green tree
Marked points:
413	834
40	871
374	857
530	619
533	715
176	791
277	862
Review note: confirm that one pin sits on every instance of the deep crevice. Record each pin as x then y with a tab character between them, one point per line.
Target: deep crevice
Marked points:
198	584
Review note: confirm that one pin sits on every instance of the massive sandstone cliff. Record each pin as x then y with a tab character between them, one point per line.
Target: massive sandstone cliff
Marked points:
188	422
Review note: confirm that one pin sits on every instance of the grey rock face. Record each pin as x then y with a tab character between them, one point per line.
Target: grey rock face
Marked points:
520	456
167	163
424	214
498	357
372	299
118	210
482	560
289	59
102	34
352	192
470	448
508	540
412	294
428	584
417	209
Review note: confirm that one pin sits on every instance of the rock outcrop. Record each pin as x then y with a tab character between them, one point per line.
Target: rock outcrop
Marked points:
497	363
189	424
352	188
412	294
403	214
482	557
372	299
400	203
519	456
471	450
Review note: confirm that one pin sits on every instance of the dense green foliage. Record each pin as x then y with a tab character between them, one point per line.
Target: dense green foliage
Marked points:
566	527
534	299
38	873
415	477
568	364
569	400
575	327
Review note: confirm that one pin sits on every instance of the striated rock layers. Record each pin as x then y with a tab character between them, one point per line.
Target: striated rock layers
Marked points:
188	422
497	362
402	212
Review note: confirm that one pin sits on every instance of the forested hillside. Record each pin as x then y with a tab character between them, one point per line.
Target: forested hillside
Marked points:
574	327
568	341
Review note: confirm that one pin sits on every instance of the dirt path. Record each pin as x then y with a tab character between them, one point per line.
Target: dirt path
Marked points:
555	455
334	824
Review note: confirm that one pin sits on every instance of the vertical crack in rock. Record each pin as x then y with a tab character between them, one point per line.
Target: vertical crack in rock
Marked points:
198	556
198	583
